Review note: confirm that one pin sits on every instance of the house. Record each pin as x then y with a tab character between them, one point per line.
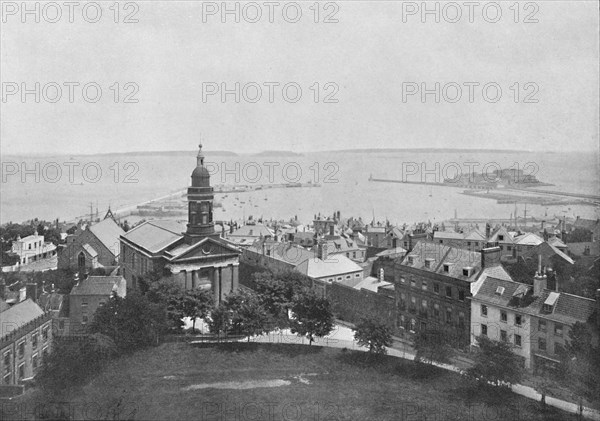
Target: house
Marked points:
25	340
317	265
506	242
32	249
193	255
551	256
473	240
534	319
88	295
246	235
96	246
345	246
433	286
526	242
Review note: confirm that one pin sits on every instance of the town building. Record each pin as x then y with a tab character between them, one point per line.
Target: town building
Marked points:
247	234
317	265
25	340
534	319
473	240
96	246
32	249
194	255
433	284
88	295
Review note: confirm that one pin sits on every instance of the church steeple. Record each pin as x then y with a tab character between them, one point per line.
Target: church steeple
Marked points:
200	203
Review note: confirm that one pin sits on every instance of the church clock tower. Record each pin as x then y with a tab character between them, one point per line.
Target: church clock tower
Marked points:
200	204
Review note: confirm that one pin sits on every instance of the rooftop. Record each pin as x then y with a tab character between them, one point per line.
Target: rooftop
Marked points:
100	285
18	316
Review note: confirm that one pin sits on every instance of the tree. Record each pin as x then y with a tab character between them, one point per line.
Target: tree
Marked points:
132	322
433	345
170	296
495	363
219	321
312	316
248	315
196	303
581	362
374	334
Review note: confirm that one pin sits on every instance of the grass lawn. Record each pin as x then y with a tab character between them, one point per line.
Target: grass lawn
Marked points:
241	381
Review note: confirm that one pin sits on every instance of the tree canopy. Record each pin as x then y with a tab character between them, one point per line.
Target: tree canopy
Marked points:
374	334
433	345
312	315
495	363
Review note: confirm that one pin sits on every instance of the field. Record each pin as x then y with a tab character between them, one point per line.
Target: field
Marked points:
241	381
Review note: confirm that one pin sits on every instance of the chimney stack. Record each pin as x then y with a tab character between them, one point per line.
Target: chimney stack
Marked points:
32	291
490	256
540	280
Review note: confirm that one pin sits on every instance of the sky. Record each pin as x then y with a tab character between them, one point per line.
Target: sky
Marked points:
353	72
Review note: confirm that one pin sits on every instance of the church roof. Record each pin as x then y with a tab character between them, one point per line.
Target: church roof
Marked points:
154	236
108	232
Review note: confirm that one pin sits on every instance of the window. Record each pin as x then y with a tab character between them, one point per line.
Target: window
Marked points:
84	306
61	324
348	276
339	278
503	336
413	302
7	364
461	320
558	329
542	325
402	321
542	344
45	333
428	263
465	272
500	290
559	349
448	315
503	317
518	340
84	319
410	259
402	280
461	295
45	352
7	378
21	371
436	288
21	349
508	248
413	324
34	362
484	310
436	310
424	286
424	305
518	319
357	275
34	340
484	330
354	255
500	238
446	267
449	292
412	283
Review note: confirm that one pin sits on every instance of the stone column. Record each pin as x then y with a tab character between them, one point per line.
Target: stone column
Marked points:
234	277
215	286
219	269
188	279
195	279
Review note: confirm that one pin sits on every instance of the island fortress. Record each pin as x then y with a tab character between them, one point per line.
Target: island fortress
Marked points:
193	254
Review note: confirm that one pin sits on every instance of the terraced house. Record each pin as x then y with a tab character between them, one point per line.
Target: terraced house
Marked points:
433	286
25	340
534	319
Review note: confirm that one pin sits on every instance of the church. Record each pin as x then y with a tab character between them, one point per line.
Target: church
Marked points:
193	254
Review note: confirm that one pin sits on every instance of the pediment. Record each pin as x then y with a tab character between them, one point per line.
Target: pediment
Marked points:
206	249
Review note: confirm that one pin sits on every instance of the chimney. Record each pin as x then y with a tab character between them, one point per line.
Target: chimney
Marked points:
540	280
490	256
331	227
32	291
488	231
322	251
